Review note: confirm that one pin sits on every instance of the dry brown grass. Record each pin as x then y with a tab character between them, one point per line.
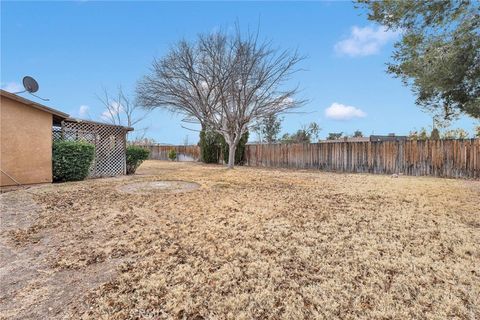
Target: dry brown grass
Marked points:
263	244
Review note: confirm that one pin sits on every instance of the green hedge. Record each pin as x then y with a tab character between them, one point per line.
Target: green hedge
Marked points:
135	156
72	160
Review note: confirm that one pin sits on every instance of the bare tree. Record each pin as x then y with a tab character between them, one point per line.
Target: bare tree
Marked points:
120	109
181	83
225	82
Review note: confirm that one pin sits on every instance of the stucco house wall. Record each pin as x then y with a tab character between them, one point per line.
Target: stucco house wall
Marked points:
26	143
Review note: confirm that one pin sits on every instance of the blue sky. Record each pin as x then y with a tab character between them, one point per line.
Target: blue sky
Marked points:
74	49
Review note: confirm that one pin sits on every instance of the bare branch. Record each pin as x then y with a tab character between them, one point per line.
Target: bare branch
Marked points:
122	110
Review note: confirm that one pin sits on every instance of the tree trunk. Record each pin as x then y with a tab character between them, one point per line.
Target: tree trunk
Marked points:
231	155
202	132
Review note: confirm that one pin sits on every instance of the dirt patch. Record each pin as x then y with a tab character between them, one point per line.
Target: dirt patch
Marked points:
162	186
18	208
32	286
249	244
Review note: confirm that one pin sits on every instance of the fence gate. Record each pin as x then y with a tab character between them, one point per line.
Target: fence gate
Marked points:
109	140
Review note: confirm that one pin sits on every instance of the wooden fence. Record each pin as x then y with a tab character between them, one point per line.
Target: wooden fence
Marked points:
441	158
184	153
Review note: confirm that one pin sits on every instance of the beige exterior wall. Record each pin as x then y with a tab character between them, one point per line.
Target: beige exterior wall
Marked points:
26	143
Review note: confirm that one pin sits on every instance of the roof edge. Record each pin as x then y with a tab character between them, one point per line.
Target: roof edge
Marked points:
33	104
69	119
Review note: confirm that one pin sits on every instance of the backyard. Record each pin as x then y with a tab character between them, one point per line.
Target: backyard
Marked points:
242	244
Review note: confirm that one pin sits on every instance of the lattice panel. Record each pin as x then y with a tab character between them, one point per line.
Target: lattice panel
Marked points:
109	141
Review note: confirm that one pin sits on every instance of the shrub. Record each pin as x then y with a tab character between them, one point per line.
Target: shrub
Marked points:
210	146
72	160
135	156
172	154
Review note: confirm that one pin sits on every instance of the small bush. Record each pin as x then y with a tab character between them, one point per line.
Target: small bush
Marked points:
172	154
135	156
72	160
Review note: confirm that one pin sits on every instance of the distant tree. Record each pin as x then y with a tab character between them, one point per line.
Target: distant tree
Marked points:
357	134
268	128
413	135
286	138
422	134
256	127
462	134
303	135
334	135
314	130
439	51
142	141
418	135
435	134
455	134
477	131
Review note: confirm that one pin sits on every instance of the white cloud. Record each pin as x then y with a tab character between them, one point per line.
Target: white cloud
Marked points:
114	109
12	87
338	111
83	110
106	116
365	41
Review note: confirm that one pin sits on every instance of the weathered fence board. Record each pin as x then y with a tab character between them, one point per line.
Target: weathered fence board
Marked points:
440	158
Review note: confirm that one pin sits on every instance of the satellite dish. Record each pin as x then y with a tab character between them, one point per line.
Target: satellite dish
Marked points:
30	84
